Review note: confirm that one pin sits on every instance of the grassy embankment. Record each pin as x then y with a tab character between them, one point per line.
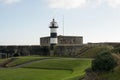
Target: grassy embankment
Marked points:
92	52
115	74
109	75
22	60
48	69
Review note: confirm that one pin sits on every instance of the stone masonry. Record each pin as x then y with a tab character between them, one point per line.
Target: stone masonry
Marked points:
63	40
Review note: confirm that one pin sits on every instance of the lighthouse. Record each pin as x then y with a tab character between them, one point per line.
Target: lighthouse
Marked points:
53	34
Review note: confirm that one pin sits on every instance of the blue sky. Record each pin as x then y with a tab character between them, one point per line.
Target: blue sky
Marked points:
23	22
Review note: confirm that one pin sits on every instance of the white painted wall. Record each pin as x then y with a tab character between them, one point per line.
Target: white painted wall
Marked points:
53	41
53	30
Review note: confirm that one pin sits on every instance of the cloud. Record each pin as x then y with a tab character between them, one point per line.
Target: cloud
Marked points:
9	1
110	3
113	3
69	4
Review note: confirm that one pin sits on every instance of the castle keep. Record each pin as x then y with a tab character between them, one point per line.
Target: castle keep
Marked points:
63	40
66	44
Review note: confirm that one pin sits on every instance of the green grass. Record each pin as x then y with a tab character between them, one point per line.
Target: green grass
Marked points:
107	75
91	53
48	69
33	74
77	66
3	60
22	60
115	75
112	75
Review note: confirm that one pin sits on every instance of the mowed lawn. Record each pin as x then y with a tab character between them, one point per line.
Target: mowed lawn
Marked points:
22	60
33	74
48	69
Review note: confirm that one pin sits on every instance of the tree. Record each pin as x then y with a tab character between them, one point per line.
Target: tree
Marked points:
104	62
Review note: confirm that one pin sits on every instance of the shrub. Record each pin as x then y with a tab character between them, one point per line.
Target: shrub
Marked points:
103	62
116	50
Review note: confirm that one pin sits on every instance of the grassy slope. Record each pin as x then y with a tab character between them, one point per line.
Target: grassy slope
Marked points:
93	51
111	75
115	75
21	60
76	65
3	60
56	69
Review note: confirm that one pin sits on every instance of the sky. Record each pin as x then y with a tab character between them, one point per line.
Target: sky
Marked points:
23	22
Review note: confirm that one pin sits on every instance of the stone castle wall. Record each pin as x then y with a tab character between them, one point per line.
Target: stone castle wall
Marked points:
45	41
10	51
60	50
70	51
63	40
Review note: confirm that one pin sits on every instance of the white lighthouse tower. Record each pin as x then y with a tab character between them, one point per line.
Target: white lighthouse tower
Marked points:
53	34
